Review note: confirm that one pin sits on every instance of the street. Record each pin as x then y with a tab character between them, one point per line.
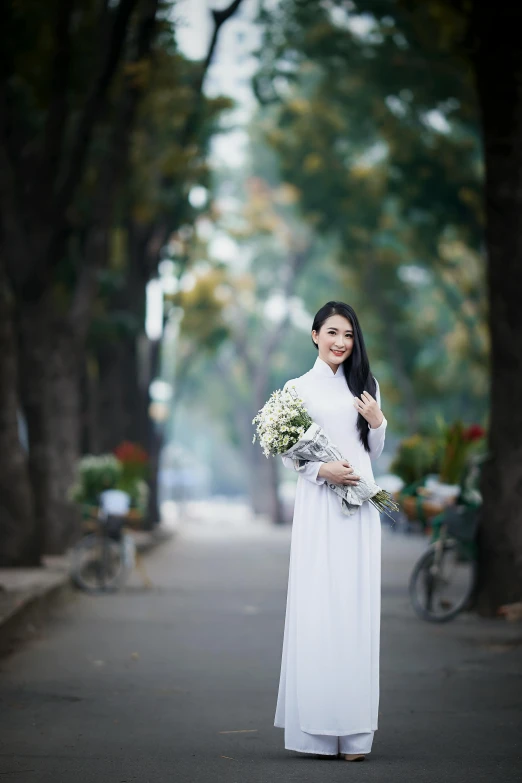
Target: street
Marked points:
179	682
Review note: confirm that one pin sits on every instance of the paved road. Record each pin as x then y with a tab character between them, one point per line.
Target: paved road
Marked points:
178	683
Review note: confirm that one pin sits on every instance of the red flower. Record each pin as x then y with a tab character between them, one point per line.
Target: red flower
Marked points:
131	452
474	432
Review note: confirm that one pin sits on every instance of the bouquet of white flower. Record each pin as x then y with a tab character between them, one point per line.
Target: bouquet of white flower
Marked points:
285	427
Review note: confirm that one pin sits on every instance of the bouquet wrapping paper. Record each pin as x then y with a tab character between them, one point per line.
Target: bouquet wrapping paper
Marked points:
316	446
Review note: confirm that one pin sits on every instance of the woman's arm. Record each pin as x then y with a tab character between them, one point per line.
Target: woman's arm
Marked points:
377	435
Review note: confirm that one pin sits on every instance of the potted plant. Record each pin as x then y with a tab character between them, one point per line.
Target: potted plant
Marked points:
458	443
416	456
95	473
433	467
125	469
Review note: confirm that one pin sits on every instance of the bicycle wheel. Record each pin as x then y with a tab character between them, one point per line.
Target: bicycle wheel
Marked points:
438	592
98	564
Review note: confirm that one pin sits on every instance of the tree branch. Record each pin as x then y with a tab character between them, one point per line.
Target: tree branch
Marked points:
162	228
220	17
94	104
110	179
57	115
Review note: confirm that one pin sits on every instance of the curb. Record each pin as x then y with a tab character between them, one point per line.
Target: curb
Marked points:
26	617
24	609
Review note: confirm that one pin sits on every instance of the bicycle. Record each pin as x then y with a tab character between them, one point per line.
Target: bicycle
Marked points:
444	580
103	559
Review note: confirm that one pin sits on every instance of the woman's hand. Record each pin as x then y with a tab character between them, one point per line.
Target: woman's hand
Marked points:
339	472
367	407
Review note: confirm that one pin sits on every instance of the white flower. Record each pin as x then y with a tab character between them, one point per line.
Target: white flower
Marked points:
281	421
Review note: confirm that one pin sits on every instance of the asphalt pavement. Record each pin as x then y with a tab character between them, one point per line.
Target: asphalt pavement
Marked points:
178	683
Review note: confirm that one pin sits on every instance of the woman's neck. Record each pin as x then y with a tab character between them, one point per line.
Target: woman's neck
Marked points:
333	367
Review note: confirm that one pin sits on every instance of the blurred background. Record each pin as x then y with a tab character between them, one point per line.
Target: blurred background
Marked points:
183	185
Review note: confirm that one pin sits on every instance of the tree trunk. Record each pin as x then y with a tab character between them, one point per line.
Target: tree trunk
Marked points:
91	435
19	542
498	68
154	442
50	360
116	396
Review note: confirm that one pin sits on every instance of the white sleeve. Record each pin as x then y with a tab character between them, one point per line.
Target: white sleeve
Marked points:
310	469
376	436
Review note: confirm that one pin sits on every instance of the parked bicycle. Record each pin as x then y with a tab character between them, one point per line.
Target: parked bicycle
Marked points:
103	559
443	581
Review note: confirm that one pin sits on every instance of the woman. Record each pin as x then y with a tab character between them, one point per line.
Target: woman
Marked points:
329	685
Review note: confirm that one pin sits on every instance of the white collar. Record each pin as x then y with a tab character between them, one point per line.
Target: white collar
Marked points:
323	368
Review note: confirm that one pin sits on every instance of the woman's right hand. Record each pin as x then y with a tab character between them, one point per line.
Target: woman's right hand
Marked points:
339	472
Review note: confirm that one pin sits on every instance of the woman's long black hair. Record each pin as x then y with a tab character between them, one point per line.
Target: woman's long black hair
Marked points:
357	366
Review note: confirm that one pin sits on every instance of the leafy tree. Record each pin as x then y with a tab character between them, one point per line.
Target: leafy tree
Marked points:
75	77
261	293
60	63
401	62
348	118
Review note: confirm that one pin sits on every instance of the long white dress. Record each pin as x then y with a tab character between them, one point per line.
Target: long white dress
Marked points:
328	695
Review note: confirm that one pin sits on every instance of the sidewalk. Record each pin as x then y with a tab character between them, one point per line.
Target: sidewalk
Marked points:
26	594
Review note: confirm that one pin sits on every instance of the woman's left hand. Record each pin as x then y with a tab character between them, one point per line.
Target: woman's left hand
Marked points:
367	407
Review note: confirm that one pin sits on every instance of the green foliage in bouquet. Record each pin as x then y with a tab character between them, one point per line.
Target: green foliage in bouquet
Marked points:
417	456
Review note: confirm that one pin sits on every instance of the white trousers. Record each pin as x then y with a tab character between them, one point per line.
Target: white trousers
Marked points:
324	744
327	744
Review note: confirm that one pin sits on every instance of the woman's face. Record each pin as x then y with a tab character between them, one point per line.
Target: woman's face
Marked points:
335	340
